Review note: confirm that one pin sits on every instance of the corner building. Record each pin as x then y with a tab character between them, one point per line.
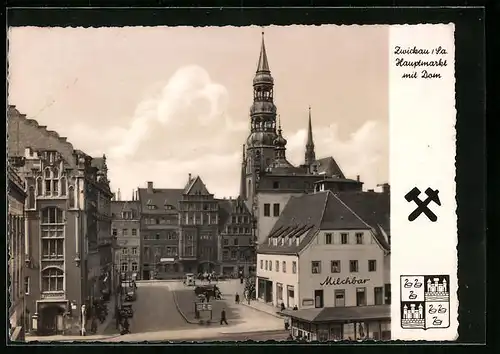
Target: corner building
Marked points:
327	256
69	249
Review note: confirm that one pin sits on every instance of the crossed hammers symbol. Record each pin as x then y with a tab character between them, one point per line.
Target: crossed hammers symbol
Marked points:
422	206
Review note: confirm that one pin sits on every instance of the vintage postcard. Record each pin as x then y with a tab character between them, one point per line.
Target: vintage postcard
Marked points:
232	183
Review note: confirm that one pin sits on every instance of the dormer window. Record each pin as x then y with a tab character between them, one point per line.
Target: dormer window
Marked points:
282	241
269	241
297	241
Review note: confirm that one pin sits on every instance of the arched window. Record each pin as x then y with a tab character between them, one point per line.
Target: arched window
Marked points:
72	197
63	186
47	173
52	279
31	198
52	215
55	181
39	186
124	267
249	188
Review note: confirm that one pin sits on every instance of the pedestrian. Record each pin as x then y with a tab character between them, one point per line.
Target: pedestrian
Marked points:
93	325
282	306
223	317
287	323
208	296
295	308
237	298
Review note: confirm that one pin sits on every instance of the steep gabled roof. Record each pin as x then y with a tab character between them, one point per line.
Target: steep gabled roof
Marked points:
117	207
304	216
160	197
374	208
196	186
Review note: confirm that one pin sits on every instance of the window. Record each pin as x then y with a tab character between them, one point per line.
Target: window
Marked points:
372	265
328	238
284	266
190	237
31	198
359	238
276	185
267	264
235	241
134	250
157	236
294	267
360	296
233	220
335	266
225	241
379	295
339	298
270	265
147	254
387	288
124	267
189	251
277	266
72	203
353	266
316	267
233	254
261	264
134	232
63	186
225	255
125	250
276	209
52	215
267	209
344	238
27	285
135	267
52	248
115	232
125	232
52	280
39	186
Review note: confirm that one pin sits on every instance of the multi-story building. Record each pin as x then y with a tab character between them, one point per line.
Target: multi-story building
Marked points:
199	228
236	240
326	255
159	232
126	228
63	214
19	284
270	180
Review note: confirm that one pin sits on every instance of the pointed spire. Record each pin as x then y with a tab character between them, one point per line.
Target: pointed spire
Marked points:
310	155
263	63
279	124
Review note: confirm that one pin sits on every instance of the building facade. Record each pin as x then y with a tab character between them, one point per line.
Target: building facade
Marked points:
126	229
236	240
63	257
199	228
160	232
18	283
329	251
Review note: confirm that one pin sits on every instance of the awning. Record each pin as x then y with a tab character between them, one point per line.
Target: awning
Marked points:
341	314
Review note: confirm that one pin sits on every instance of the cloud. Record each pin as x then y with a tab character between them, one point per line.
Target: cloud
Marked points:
361	154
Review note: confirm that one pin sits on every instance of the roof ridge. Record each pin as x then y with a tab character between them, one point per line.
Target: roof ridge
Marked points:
352	211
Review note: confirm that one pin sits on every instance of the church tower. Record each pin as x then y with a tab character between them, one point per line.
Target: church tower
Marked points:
310	156
260	142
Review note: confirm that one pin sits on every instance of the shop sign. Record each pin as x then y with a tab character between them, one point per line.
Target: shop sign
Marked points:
348	280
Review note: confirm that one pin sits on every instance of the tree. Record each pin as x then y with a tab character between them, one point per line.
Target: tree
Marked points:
250	287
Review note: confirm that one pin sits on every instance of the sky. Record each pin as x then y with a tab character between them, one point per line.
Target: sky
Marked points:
163	102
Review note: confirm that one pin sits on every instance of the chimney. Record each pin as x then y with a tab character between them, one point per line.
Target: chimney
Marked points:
119	195
386	188
150	187
133	195
358	178
189	178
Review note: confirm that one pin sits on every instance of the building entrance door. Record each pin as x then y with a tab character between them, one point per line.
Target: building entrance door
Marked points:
269	291
318	298
145	274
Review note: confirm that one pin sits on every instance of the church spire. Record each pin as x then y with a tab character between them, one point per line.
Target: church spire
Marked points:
263	65
243	185
310	156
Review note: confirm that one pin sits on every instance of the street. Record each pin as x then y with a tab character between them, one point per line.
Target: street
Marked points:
156	317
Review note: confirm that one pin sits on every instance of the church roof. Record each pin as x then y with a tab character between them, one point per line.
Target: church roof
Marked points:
304	216
329	167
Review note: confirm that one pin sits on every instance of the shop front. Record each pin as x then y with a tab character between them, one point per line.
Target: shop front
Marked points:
265	289
52	317
341	323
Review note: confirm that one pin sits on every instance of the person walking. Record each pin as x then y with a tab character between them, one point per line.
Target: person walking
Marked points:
223	317
237	298
282	306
